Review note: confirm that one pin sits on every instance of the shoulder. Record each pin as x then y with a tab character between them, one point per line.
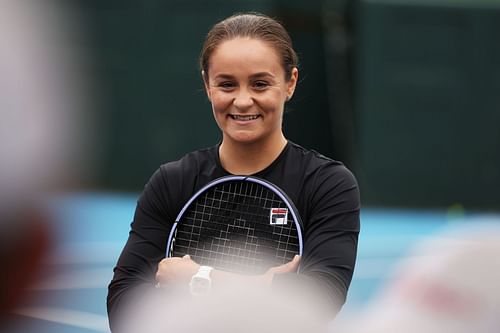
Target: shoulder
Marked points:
189	167
316	165
312	157
193	161
325	182
178	179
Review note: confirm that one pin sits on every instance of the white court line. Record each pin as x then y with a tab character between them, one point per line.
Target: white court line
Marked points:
80	319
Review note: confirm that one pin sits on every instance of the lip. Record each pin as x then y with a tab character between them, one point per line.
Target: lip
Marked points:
244	118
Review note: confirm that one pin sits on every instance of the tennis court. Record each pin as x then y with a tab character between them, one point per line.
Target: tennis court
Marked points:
92	228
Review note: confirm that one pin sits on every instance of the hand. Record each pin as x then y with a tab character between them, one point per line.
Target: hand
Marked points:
176	270
289	267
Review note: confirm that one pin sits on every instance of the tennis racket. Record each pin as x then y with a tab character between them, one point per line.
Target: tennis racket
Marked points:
238	224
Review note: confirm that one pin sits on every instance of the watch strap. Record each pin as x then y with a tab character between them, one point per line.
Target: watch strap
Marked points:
204	272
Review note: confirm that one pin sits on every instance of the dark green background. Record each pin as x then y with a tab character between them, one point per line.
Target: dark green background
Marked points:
404	92
428	103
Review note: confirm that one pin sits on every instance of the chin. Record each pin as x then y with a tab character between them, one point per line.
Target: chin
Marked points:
244	138
247	141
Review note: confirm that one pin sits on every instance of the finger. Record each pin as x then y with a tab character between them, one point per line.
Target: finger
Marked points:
296	260
158	277
187	256
293	265
290	266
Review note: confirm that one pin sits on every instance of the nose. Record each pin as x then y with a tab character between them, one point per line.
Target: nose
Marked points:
243	99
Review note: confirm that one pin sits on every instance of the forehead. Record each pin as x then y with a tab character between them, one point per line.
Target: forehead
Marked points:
245	54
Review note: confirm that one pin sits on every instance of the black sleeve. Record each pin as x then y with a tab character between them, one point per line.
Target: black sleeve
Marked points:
330	238
145	248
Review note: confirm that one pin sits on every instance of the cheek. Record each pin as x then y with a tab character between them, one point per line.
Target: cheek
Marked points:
220	101
272	103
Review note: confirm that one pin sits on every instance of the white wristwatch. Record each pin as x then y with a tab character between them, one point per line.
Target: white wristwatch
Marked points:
201	283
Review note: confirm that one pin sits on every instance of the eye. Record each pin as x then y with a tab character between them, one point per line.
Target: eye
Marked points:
226	85
260	85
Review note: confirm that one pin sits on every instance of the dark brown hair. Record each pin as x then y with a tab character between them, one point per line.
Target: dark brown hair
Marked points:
251	25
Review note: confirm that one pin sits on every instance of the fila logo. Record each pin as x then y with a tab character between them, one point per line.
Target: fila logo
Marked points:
278	216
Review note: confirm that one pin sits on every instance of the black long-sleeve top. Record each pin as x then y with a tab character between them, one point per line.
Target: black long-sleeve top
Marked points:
324	191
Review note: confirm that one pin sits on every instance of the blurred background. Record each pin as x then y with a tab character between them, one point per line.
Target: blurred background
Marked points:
404	92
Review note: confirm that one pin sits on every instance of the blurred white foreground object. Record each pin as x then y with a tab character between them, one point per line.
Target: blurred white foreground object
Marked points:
450	284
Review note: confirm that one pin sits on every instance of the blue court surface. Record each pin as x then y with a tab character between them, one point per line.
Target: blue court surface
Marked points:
91	230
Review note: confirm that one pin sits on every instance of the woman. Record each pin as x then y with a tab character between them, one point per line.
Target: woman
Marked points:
249	69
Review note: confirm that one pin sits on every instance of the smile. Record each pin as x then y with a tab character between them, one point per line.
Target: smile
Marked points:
244	118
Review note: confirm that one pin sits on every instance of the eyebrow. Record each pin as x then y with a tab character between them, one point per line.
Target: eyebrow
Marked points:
261	74
253	76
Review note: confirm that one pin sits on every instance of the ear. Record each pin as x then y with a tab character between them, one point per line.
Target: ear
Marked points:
205	83
292	83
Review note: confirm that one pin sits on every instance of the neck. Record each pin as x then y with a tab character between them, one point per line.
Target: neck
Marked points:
249	158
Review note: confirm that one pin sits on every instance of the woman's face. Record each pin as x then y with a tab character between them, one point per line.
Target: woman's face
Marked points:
247	88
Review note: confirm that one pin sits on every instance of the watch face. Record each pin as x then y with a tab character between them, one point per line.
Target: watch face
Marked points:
200	285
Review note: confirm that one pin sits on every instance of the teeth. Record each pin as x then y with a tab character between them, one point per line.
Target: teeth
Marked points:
236	117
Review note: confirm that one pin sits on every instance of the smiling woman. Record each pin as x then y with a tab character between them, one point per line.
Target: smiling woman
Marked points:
249	69
247	87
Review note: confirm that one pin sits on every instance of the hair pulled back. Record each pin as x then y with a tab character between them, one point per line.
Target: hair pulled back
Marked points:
250	25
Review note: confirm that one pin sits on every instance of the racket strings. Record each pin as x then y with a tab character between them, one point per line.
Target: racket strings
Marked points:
228	227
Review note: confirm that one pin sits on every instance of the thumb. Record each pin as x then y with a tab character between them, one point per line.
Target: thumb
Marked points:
294	264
